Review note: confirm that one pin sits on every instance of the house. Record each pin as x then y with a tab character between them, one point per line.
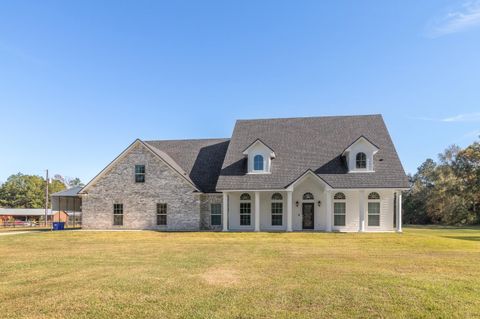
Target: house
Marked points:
339	173
29	215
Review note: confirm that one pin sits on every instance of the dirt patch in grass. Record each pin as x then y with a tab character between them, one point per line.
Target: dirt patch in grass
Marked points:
221	276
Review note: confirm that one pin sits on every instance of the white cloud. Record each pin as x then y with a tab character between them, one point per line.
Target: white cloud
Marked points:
467	117
460	19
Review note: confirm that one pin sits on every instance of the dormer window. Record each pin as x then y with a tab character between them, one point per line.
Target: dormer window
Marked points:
258	163
259	158
361	161
359	155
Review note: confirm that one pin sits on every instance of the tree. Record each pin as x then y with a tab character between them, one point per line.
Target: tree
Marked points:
27	191
447	192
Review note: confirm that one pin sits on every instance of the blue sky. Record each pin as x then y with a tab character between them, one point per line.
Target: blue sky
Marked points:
79	81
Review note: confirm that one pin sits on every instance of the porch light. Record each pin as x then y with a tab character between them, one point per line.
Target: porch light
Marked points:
319	203
296	203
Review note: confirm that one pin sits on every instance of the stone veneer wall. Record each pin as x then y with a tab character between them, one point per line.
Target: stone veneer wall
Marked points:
205	201
162	185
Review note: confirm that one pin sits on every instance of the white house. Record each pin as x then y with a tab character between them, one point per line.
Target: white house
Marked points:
296	174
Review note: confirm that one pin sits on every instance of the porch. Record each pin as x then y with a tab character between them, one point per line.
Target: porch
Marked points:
308	208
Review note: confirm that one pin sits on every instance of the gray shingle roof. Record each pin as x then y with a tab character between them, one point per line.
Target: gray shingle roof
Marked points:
201	159
314	143
70	192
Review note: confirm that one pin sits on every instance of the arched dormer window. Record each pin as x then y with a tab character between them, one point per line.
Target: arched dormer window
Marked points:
308	196
258	163
361	160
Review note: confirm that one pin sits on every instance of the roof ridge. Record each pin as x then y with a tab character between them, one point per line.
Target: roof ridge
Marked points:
311	117
191	139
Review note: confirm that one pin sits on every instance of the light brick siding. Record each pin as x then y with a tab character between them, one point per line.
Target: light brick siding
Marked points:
162	185
205	205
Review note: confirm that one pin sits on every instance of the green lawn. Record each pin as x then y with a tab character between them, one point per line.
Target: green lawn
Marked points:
424	272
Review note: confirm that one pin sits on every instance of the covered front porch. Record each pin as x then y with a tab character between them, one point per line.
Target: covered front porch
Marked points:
311	205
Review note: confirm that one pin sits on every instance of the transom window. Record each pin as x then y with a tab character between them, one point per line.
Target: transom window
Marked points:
339	209
258	163
245	210
339	196
245	196
361	160
308	196
118	214
373	209
373	195
161	214
216	214
139	173
277	209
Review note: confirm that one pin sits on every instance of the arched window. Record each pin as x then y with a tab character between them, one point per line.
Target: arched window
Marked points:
245	196
245	210
277	196
277	209
339	209
373	209
258	163
373	195
308	196
339	196
361	160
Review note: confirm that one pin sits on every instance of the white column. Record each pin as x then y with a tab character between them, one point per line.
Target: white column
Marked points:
225	212
399	212
361	211
257	211
289	211
328	210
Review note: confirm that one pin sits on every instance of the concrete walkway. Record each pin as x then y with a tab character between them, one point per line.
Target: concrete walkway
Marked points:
18	232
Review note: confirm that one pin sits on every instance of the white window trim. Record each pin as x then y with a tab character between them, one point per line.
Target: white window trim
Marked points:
379	201
271	213
333	212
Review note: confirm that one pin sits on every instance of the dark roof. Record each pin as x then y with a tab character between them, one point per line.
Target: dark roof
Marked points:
71	192
314	143
201	159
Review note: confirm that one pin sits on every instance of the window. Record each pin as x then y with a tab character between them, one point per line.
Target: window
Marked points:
339	209
277	209
308	196
139	173
373	209
258	163
216	214
117	214
245	196
361	160
373	195
245	210
161	214
339	196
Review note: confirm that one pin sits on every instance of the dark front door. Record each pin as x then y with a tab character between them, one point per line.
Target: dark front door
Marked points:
308	215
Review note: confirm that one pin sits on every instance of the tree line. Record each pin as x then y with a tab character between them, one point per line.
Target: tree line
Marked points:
447	191
28	191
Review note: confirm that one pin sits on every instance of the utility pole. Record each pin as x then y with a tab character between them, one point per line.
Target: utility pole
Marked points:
46	200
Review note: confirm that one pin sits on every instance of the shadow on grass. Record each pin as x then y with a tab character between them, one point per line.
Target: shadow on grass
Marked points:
469	238
440	227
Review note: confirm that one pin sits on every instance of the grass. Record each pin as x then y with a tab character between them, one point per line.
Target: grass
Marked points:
424	272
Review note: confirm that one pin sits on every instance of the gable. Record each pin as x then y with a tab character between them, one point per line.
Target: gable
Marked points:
138	153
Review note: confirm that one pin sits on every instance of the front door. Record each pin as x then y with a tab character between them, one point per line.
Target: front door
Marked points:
308	215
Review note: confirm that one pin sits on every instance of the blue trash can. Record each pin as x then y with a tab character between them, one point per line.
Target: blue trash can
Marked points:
58	225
